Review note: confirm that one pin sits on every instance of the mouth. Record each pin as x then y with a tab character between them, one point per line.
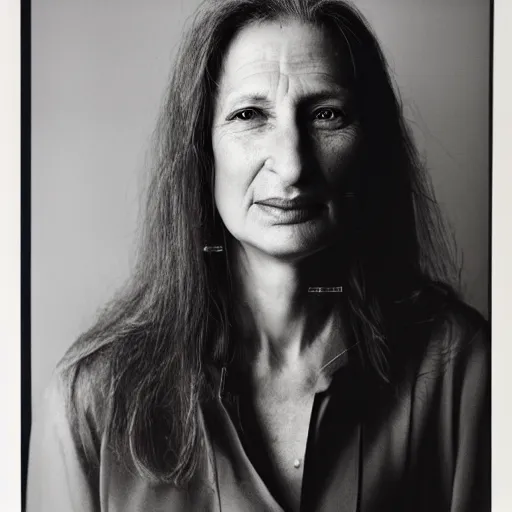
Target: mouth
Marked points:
291	211
289	204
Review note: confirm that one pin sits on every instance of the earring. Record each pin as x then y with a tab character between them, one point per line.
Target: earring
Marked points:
213	248
325	289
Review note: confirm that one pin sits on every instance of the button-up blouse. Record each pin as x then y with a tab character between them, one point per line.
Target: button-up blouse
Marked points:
421	443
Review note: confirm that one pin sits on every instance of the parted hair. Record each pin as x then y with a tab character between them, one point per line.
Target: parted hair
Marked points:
152	345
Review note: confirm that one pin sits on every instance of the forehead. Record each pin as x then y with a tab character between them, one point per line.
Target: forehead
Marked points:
290	47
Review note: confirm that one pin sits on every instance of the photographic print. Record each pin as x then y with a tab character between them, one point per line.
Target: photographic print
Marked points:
260	256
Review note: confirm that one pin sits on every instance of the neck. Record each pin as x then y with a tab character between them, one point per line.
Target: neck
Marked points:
282	323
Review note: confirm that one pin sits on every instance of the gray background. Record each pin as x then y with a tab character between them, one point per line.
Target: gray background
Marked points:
98	76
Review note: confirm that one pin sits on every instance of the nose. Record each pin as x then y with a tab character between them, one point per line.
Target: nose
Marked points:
287	155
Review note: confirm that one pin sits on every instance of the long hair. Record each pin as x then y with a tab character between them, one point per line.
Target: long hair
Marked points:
154	342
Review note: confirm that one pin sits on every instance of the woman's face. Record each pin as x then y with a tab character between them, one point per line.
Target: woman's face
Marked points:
284	139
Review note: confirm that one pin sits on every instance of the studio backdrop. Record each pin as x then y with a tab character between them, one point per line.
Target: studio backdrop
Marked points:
99	72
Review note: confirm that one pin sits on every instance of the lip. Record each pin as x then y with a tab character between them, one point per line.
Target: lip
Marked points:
296	203
290	211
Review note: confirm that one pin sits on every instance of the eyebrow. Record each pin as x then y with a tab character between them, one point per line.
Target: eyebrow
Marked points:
319	95
234	97
339	92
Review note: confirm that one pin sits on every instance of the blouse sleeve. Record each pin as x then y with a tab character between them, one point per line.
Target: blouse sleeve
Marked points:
59	477
472	483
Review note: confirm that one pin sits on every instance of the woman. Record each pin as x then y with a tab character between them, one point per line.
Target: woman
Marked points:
290	340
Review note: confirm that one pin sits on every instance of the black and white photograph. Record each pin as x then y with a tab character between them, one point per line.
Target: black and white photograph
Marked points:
260	237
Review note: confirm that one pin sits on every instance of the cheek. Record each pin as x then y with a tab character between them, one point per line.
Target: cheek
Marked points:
338	155
232	178
225	185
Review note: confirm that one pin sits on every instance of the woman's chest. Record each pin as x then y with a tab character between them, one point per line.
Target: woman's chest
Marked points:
349	468
283	426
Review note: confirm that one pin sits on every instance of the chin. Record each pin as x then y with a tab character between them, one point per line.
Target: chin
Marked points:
291	247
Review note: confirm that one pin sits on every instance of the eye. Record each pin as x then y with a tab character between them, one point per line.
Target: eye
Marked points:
329	118
328	114
247	114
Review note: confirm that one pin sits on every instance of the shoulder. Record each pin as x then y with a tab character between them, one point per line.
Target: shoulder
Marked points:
66	441
76	401
456	345
438	331
461	332
86	378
